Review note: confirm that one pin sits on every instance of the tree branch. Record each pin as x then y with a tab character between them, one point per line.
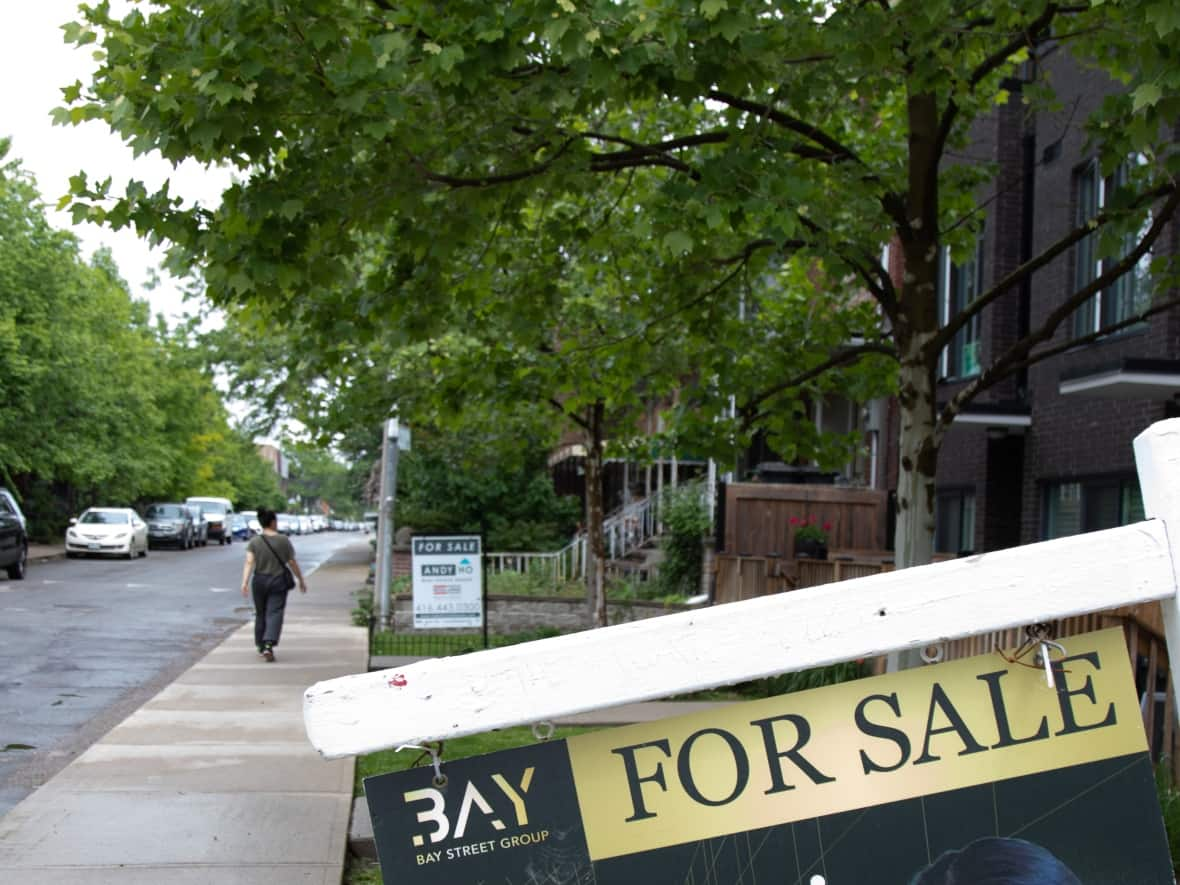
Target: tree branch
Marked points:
842	357
573	416
837	150
1020	354
947	332
1028	36
455	181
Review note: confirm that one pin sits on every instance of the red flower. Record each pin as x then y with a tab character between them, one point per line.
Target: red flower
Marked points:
794	520
827	526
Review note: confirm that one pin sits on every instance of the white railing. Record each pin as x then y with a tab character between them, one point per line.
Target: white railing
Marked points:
630	527
625	530
566	564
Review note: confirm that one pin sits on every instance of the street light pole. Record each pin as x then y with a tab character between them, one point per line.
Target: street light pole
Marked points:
389	449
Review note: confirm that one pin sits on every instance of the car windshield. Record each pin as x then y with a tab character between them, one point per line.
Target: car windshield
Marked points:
165	511
210	510
91	517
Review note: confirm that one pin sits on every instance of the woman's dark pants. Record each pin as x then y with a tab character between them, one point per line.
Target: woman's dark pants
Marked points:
270	600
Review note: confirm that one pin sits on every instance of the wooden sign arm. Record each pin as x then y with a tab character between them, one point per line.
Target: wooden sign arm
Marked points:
443	698
1157	458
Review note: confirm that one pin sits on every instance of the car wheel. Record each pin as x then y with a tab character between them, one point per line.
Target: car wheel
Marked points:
16	571
131	550
144	551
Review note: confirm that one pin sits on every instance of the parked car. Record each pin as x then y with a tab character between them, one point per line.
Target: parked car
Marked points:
14	538
305	527
216	512
287	524
170	524
116	531
239	527
200	527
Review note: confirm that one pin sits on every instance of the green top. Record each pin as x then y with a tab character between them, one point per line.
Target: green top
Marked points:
265	562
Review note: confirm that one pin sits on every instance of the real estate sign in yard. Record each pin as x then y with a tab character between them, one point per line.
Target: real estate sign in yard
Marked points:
974	770
447	581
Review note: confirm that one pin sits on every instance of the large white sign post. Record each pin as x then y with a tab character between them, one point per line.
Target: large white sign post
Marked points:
442	698
447	581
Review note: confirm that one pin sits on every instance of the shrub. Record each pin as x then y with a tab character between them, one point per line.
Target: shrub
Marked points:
686	519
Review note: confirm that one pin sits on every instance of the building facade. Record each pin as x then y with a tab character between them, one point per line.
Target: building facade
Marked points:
1048	452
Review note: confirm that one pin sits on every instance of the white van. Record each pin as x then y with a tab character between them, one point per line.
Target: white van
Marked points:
216	513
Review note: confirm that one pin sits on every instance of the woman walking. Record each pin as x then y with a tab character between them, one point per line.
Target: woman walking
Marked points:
268	556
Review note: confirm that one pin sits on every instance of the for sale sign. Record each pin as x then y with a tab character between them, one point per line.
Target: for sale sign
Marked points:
970	771
447	581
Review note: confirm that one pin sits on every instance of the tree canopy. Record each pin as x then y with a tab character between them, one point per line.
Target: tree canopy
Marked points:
98	404
381	146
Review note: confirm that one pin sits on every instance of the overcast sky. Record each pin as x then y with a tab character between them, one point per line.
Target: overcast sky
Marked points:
34	65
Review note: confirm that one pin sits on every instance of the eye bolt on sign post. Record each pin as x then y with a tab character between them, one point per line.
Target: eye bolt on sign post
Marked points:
941	774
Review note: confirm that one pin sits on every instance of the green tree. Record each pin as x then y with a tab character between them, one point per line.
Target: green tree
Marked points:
468	480
316	475
811	131
97	403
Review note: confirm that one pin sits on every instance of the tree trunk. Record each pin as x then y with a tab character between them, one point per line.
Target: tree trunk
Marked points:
595	537
915	328
918	445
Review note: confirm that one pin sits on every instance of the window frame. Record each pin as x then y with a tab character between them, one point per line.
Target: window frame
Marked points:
1125	486
1094	314
964	500
958	286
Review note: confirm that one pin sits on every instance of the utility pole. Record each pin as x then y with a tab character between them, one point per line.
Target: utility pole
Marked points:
389	449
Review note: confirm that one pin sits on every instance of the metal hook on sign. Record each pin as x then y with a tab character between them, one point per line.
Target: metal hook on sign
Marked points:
933	653
1043	654
542	731
435	751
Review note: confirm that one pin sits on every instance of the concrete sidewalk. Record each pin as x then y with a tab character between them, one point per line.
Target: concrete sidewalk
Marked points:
213	780
46	552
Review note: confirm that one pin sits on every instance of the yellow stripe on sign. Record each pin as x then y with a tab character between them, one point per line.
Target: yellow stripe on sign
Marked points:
862	743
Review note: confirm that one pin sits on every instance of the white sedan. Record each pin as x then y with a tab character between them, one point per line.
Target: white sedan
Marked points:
114	531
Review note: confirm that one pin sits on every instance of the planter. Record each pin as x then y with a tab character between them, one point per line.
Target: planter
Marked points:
808	548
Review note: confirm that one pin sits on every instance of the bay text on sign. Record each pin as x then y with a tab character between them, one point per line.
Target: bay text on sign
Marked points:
447	581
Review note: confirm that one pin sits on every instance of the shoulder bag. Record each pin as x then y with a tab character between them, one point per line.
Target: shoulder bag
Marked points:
288	575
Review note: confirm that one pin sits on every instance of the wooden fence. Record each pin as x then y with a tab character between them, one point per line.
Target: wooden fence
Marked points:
758	519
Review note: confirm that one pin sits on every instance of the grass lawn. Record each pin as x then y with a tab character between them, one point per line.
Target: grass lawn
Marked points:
363	873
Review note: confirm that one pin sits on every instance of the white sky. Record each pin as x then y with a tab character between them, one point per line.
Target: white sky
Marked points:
34	65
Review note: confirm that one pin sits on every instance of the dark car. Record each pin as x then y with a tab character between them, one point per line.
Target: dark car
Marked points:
170	524
14	540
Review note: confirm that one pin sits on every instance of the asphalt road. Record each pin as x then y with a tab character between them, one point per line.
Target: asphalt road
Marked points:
83	642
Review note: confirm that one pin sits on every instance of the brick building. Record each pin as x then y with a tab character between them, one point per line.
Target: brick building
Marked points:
1047	452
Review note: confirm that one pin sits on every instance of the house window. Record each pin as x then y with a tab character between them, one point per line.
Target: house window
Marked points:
959	285
1089	505
1130	293
954	521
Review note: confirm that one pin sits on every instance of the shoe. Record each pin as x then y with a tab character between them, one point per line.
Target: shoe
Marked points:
268	655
